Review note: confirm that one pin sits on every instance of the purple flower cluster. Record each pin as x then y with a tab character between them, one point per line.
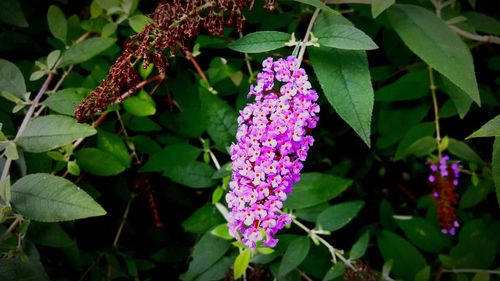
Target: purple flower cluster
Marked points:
272	140
444	179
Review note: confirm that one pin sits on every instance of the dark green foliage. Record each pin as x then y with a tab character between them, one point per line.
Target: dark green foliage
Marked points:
138	192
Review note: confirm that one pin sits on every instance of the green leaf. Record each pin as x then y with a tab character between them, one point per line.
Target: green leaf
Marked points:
11	79
65	101
490	129
379	6
206	252
407	260
495	166
435	43
11	151
411	86
336	271
11	12
241	263
474	248
294	255
85	50
460	98
318	4
138	22
481	276
49	234
58	25
141	104
222	231
5	193
358	250
337	216
419	131
48	198
345	37
114	144
216	271
99	162
260	41
483	23
193	174
424	235
221	120
421	147
203	219
345	80
475	194
314	189
171	156
424	274
52	131
463	151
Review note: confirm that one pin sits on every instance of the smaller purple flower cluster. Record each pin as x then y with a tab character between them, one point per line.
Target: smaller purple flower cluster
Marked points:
272	141
444	179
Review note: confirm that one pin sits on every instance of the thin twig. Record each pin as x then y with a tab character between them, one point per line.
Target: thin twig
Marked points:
476	37
122	223
471	270
306	37
12	226
200	72
26	119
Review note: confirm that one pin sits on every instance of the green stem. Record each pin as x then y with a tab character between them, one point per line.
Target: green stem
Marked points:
436	110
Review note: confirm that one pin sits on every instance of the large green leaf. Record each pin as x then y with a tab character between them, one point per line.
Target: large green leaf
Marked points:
483	23
203	219
474	249
378	6
424	235
358	249
495	166
99	162
411	86
260	41
11	79
115	145
85	50
48	132
206	252
490	129
460	98
463	151
221	118
314	189
407	260
171	156
48	198
58	25
294	255
193	174
141	104
65	101
345	80
11	12
318	4
337	216
345	37
435	43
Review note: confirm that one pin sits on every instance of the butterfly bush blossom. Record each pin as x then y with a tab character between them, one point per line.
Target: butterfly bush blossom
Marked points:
272	142
444	179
